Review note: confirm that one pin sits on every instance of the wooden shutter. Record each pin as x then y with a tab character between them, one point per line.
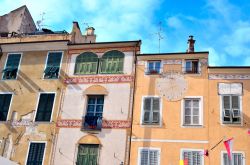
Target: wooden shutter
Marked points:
86	63
4	106
146	110
156	110
193	157
45	106
187	111
13	61
87	154
195	111
36	153
153	157
144	157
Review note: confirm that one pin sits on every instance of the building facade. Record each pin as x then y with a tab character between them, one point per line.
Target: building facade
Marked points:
184	110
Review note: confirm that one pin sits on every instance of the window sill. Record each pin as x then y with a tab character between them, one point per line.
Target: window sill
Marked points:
151	125
192	126
232	124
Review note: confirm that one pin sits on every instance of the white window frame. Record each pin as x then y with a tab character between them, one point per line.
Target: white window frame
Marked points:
8	115
146	72
200	111
221	111
27	155
59	66
191	149
18	68
234	152
148	148
184	66
52	111
142	112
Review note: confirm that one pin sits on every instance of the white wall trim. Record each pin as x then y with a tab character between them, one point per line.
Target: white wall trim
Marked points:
18	68
170	141
201	110
237	152
148	148
43	151
192	149
160	117
52	111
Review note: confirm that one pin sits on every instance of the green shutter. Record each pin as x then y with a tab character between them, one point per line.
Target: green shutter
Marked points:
36	153
11	67
87	154
45	106
4	106
53	65
112	62
86	63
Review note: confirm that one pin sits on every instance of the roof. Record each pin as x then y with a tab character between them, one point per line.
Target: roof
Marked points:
18	20
174	53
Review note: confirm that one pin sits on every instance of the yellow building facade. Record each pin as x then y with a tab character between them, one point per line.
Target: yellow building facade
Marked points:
184	110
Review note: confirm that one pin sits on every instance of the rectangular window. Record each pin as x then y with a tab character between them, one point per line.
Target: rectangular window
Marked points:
36	154
149	157
151	110
45	107
11	66
192	112
4	106
192	157
87	154
192	66
53	65
237	159
153	67
231	110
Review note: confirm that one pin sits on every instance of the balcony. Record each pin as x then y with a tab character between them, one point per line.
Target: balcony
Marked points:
92	123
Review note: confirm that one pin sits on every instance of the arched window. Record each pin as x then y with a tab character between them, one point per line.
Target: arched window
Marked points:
112	62
86	63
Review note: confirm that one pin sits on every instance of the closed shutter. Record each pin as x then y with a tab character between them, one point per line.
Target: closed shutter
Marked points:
4	106
156	110
196	111
226	109
193	157
144	157
187	112
151	110
237	159
86	63
153	157
45	106
87	154
149	157
36	153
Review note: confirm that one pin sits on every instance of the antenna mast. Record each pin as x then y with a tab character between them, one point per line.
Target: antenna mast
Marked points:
159	35
39	22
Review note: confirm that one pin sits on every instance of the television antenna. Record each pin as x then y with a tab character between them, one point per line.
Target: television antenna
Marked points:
159	35
40	22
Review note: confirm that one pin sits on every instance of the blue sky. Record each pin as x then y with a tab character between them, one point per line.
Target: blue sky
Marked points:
221	27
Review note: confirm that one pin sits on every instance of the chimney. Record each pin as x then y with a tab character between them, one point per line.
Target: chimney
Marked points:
76	34
90	35
190	43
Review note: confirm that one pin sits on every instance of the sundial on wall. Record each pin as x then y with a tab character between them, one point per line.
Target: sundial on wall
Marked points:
172	85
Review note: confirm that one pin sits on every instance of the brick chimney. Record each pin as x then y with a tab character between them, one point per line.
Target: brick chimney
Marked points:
76	34
190	43
90	35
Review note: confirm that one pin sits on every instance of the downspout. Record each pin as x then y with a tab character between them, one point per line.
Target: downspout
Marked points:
133	100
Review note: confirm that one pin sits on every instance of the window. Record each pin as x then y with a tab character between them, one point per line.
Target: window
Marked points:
192	111
237	159
151	110
149	156
36	154
53	65
112	62
192	66
86	63
4	106
93	118
45	107
231	110
154	67
11	66
192	157
87	154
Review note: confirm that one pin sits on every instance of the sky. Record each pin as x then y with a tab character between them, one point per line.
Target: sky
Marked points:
221	27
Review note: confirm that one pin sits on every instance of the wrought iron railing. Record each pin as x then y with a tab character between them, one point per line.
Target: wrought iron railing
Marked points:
92	123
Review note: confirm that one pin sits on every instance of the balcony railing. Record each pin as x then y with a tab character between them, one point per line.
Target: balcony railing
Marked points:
92	123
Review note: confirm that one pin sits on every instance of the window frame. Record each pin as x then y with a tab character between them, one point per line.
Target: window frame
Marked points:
142	112
53	107
201	112
8	115
190	150
86	107
234	152
191	72
97	68
46	61
148	148
18	68
45	147
147	72
222	110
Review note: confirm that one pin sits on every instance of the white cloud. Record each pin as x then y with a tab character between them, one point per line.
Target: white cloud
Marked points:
174	22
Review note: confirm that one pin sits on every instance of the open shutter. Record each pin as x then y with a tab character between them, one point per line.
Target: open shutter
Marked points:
146	110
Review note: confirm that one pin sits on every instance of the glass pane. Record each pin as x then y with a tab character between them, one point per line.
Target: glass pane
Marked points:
195	119
188	66
187	103
150	66
156	104
187	111
187	120
91	108
195	111
235	102
226	101
146	117
91	100
196	103
100	100
155	117
147	104
54	59
158	66
99	108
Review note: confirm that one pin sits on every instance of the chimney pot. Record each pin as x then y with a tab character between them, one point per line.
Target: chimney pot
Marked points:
90	31
190	43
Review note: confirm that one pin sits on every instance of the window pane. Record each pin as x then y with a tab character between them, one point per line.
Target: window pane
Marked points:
187	111
86	63
226	101
147	104
156	104
187	103
187	120
196	103
195	111
155	117
195	119
95	105
146	117
235	102
87	154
